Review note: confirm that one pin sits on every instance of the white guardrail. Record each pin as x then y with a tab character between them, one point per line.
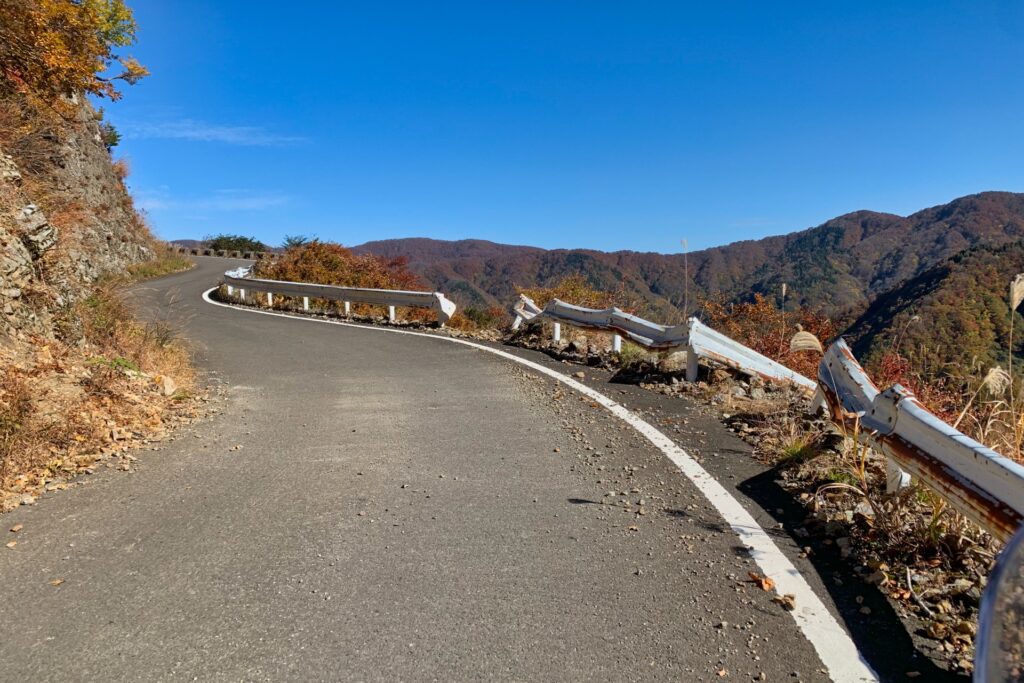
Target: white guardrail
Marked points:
240	280
981	484
698	339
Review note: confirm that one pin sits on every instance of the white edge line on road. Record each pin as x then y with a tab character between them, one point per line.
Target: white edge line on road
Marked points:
833	644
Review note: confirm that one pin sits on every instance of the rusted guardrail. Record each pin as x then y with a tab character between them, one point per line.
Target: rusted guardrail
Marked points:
983	485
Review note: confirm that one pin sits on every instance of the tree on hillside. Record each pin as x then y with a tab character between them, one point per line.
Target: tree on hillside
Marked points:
234	243
293	241
53	49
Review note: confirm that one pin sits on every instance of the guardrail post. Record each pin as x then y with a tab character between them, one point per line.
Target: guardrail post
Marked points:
616	343
391	314
270	299
517	322
241	294
557	334
305	303
692	366
231	290
348	308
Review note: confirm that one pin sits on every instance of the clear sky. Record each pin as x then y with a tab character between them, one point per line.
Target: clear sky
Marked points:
607	125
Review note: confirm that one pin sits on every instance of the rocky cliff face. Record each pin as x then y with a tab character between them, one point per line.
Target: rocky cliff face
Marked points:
66	220
25	236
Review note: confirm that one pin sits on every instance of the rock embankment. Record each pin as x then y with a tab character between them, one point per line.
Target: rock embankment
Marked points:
66	220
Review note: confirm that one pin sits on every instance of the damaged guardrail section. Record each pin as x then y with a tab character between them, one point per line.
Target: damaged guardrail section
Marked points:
698	339
981	484
240	279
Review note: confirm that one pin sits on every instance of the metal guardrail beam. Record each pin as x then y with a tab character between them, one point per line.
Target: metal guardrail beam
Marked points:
708	343
379	297
983	485
698	339
223	253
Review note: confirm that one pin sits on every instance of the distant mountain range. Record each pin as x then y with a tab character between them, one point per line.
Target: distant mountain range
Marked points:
948	265
839	266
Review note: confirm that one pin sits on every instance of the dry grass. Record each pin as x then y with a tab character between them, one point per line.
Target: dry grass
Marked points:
472	319
165	263
66	403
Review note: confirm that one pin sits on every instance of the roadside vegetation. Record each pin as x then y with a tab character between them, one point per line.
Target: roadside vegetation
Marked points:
577	290
329	263
81	378
234	243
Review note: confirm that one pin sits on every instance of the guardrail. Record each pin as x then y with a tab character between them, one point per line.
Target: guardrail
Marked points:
240	280
223	253
698	339
983	485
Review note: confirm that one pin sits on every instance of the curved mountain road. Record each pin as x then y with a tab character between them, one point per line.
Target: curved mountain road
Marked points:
400	508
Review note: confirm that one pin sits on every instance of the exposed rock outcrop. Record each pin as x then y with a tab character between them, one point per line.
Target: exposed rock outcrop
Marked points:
89	228
25	235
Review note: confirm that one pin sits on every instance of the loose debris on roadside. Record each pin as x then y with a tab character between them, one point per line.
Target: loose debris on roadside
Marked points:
930	562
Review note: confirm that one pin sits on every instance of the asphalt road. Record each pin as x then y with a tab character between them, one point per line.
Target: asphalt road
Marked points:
397	511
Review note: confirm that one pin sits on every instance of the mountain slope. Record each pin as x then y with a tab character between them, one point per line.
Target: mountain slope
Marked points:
839	265
953	316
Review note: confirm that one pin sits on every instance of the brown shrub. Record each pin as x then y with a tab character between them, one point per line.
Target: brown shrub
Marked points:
470	319
577	290
63	399
122	169
763	327
328	263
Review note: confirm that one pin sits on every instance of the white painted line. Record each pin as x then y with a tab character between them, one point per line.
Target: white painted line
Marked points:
833	644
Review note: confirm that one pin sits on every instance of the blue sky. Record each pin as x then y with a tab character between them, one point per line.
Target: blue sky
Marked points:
606	125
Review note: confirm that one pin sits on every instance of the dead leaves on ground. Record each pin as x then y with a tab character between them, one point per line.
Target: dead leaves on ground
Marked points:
763	582
767	584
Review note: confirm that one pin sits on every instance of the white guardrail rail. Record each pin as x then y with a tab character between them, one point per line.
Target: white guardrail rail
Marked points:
981	484
698	339
240	280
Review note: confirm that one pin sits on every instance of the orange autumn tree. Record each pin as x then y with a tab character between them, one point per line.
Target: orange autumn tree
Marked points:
52	49
328	263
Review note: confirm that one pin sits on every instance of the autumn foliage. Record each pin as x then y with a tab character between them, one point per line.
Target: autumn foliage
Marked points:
328	263
51	49
576	289
767	329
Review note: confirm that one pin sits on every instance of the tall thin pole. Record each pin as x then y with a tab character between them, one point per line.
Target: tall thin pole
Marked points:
686	282
782	347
